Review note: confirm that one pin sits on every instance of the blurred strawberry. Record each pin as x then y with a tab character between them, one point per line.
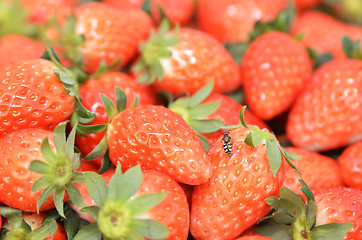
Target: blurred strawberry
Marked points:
125	4
351	165
176	11
304	4
233	20
327	113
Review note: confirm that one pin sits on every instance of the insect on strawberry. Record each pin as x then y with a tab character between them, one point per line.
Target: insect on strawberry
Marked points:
228	146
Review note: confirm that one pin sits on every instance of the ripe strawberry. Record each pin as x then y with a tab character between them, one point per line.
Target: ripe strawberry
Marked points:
176	11
351	165
172	211
157	138
18	149
38	228
233	20
234	197
327	113
229	112
106	84
10	45
341	205
318	171
32	96
185	61
323	32
126	4
102	32
274	69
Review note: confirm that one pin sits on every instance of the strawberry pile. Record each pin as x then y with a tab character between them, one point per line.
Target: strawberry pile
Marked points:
180	119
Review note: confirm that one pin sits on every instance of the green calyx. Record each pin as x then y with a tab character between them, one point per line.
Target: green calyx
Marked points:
194	112
352	49
153	51
58	170
20	230
118	211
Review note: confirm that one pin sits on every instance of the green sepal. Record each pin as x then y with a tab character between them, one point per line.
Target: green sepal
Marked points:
204	110
74	195
274	230
59	138
206	125
106	164
199	96
99	150
135	102
39	167
149	228
205	144
89	232
40	183
311	214
254	138
71	222
236	50
58	200
78	177
25	225
43	196
121	100
352	49
96	186
122	187
143	203
147	7
331	231
92	128
306	190
274	155
319	59
13	215
69	143
48	153
47	228
81	114
91	210
109	106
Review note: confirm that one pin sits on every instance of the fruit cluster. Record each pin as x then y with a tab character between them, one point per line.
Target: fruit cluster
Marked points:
180	119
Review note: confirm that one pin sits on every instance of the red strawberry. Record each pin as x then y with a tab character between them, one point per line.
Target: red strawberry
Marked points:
110	34
274	69
126	4
253	238
229	112
194	59
172	211
323	32
318	171
341	205
176	11
304	4
233	20
17	150
159	139
32	96
327	113
234	197
106	85
351	165
10	45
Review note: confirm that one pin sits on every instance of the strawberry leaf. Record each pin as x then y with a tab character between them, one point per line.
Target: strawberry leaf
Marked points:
92	128
13	216
254	138
43	196
149	228
106	164
68	149
311	214
99	150
331	231
91	210
200	95
48	152
121	100
206	125
352	49
71	221
204	110
89	232
58	200
74	195
145	202
205	144
60	138
39	167
236	50
47	228
96	186
41	183
109	106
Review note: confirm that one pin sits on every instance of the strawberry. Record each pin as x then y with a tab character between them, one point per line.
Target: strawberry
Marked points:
323	32
159	139
351	165
327	113
100	32
233	20
106	84
18	149
185	60
24	225
127	4
341	205
176	11
319	172
274	69
304	4
132	208
32	96
229	112
234	197
10	45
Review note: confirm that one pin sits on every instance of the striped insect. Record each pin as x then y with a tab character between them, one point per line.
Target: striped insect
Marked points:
228	146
